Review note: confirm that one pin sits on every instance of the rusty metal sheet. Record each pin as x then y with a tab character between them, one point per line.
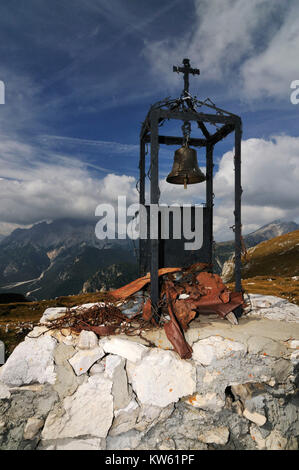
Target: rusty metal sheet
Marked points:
138	284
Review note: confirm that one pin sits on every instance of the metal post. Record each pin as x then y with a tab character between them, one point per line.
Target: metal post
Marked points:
209	195
237	211
154	199
142	261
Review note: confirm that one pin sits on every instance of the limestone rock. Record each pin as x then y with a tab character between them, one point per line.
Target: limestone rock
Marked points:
88	412
276	441
97	368
62	353
150	415
208	401
265	346
255	417
31	361
32	427
74	444
4	392
115	370
161	378
52	314
84	359
273	308
125	419
130	350
217	435
87	340
214	348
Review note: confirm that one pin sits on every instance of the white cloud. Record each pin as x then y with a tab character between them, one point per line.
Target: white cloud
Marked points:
270	174
272	71
250	45
32	190
52	186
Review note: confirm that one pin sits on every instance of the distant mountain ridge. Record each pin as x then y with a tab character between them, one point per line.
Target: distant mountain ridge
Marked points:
64	257
57	258
224	250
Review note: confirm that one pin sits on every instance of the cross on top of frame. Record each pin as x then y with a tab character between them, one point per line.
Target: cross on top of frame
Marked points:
186	70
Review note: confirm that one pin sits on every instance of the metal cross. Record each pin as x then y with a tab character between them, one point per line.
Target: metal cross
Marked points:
186	70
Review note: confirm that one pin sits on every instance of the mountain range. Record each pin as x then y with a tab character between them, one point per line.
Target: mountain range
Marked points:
64	257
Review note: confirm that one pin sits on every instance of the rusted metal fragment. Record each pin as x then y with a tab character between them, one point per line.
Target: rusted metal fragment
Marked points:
236	300
138	284
173	330
185	311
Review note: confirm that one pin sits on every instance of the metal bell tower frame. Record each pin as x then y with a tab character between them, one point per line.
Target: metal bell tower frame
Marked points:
188	108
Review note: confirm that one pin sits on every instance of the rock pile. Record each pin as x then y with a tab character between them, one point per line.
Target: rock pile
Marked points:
62	390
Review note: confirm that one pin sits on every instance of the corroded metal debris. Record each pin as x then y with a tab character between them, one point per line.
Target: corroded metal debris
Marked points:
184	294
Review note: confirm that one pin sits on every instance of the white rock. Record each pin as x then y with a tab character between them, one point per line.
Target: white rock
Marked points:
161	378
88	412
84	359
255	417
217	435
37	332
81	444
150	415
87	340
92	304
32	427
4	392
214	348
130	350
97	368
31	361
115	370
275	441
293	344
273	308
52	313
257	437
184	296
208	401
295	357
125	419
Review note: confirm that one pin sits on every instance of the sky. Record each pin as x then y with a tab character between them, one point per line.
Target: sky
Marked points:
80	76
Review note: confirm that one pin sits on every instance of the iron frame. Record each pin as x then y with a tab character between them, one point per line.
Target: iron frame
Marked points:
150	135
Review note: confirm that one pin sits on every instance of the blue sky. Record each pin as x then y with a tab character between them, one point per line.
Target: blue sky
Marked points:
81	75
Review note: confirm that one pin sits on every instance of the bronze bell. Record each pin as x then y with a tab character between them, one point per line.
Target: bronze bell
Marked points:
185	168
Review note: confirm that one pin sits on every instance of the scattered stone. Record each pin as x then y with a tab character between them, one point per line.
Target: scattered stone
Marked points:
115	370
31	361
208	401
52	313
62	353
161	378
97	368
87	340
32	428
276	441
265	346
4	392
88	412
273	308
150	415
84	359
218	435
214	348
130	350
255	417
125	419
